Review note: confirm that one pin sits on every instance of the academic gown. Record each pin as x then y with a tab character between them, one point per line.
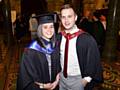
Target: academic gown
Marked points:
34	67
88	58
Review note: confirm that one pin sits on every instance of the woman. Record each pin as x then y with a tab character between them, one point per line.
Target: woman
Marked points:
40	65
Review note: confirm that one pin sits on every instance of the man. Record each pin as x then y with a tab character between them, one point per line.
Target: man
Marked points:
85	22
79	50
98	31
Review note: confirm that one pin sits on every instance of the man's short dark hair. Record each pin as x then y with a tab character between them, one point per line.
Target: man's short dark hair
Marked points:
67	6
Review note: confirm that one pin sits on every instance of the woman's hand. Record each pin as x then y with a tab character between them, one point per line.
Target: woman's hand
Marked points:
47	86
50	86
55	83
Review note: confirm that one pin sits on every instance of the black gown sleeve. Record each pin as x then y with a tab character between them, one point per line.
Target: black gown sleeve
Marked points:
27	74
89	58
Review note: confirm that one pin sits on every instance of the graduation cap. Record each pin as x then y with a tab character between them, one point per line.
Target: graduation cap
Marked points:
46	18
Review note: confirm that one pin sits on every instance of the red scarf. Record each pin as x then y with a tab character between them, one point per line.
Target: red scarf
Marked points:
68	37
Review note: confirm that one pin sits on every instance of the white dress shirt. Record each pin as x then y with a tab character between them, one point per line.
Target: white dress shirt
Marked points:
73	68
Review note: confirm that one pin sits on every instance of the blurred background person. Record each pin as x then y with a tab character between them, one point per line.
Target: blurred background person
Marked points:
85	22
20	27
33	24
103	19
98	31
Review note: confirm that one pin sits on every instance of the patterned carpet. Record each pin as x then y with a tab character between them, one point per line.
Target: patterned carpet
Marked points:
111	72
10	83
111	76
14	54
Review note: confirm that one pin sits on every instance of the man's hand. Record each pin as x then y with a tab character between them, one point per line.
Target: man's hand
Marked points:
84	82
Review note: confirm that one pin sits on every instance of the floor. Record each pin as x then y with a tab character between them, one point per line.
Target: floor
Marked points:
9	62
